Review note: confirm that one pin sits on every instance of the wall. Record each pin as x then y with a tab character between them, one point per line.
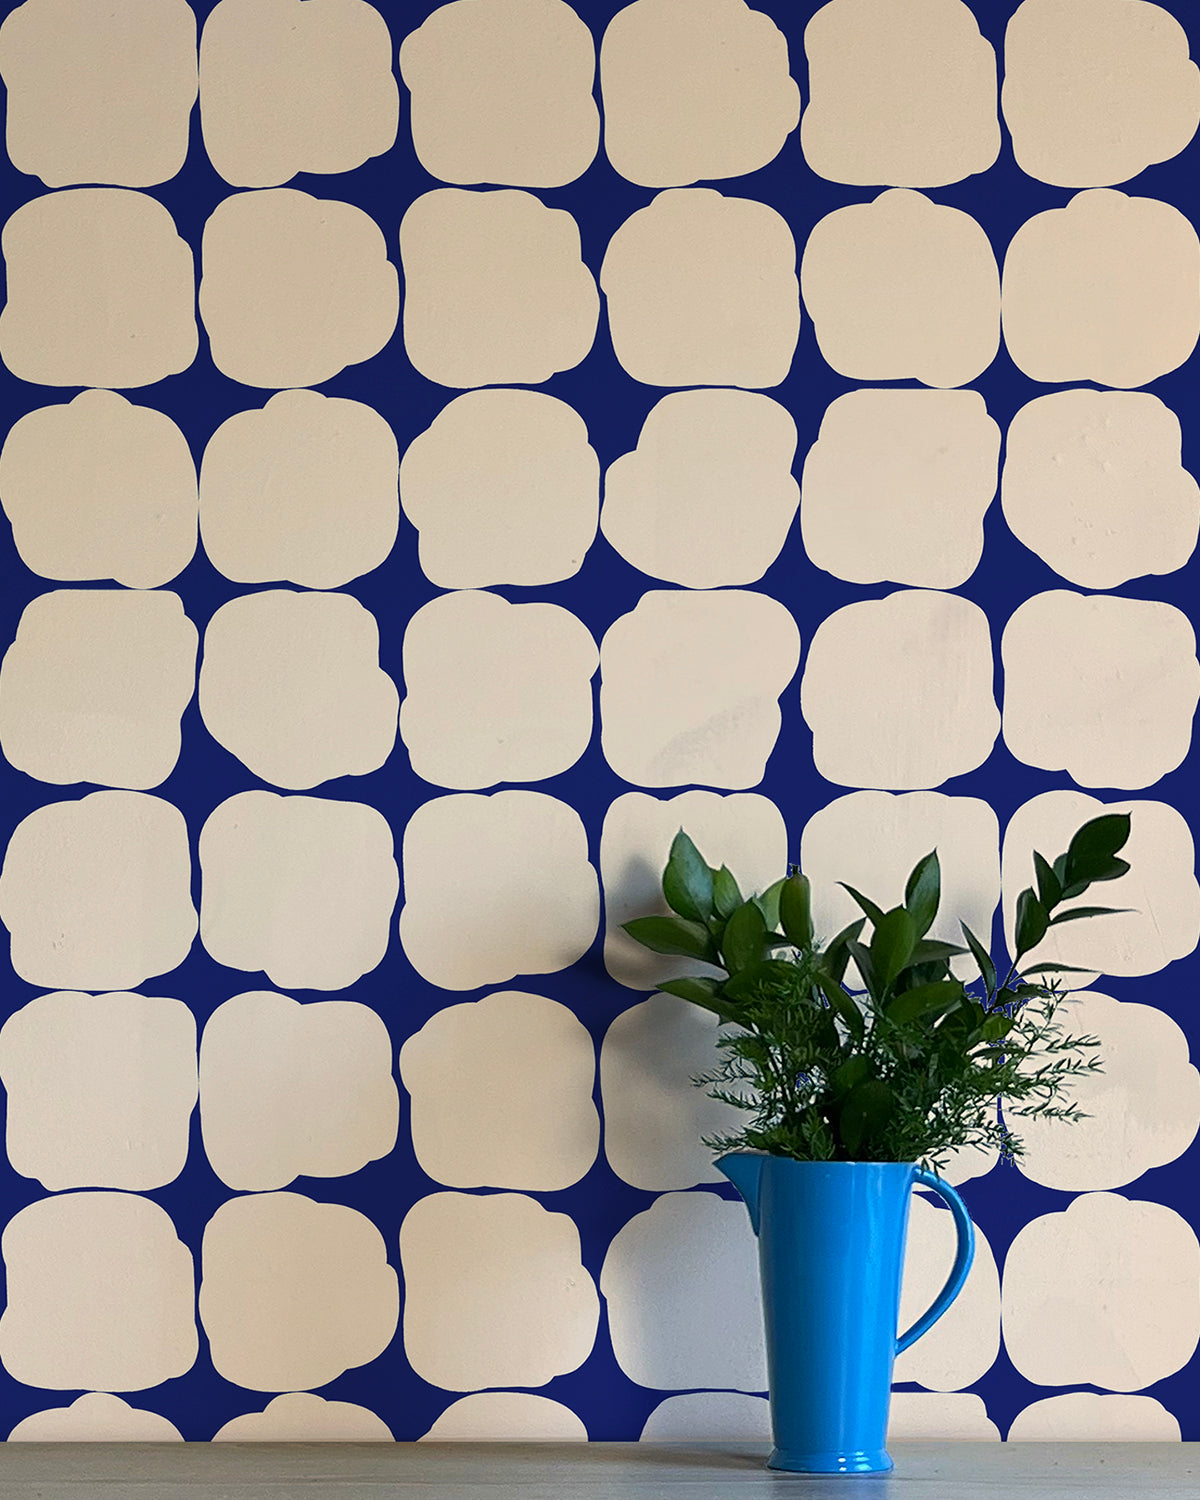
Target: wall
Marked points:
337	1104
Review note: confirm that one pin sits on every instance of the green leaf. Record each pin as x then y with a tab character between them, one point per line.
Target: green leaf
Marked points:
1094	845
923	892
705	992
746	980
687	881
867	1110
1057	969
1070	889
996	1027
927	973
1032	921
795	910
726	896
1019	995
1049	887
1077	912
987	969
875	913
837	950
843	1006
768	903
745	938
1113	870
673	935
963	1022
923	1000
866	970
930	949
892	944
851	1073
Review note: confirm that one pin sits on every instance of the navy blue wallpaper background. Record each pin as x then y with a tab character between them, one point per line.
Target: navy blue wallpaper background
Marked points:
265	1203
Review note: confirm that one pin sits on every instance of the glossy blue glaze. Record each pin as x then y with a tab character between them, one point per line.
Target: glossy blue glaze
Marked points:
831	1239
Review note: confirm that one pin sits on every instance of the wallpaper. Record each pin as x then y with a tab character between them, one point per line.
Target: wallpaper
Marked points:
448	448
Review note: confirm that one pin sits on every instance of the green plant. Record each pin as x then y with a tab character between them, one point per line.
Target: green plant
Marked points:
916	1063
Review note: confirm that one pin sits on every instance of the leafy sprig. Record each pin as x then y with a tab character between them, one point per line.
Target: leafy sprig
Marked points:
916	1062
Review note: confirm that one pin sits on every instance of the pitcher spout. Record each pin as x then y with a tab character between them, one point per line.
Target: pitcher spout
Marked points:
744	1169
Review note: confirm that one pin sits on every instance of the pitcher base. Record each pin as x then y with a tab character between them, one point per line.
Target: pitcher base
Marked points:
856	1461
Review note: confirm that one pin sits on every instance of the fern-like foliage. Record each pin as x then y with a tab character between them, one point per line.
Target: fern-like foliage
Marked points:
913	1063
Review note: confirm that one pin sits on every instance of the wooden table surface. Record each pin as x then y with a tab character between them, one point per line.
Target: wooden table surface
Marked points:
584	1471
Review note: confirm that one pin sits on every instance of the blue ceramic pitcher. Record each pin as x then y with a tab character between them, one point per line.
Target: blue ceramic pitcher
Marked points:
831	1241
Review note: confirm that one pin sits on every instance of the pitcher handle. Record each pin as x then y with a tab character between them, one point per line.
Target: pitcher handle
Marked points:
964	1255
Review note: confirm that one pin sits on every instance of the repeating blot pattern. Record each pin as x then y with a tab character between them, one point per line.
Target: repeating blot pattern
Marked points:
901	94
789	435
99	488
101	290
275	93
303	491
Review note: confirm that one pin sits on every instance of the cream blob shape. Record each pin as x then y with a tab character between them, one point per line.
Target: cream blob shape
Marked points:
690	685
1102	687
744	831
903	94
963	1344
295	288
95	1418
101	290
966	1162
101	1294
1106	1293
291	684
300	887
940	1417
100	488
1161	922
291	86
702	290
501	1093
94	686
96	893
496	291
667	505
694	91
303	490
922	710
502	92
505	1417
1142	1112
503	487
294	1292
871	840
290	1090
903	288
495	1292
495	691
655	1117
301	1417
1105	289
897	485
535	913
686	1251
1097	90
1087	1417
709	1416
100	1090
99	93
1094	484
